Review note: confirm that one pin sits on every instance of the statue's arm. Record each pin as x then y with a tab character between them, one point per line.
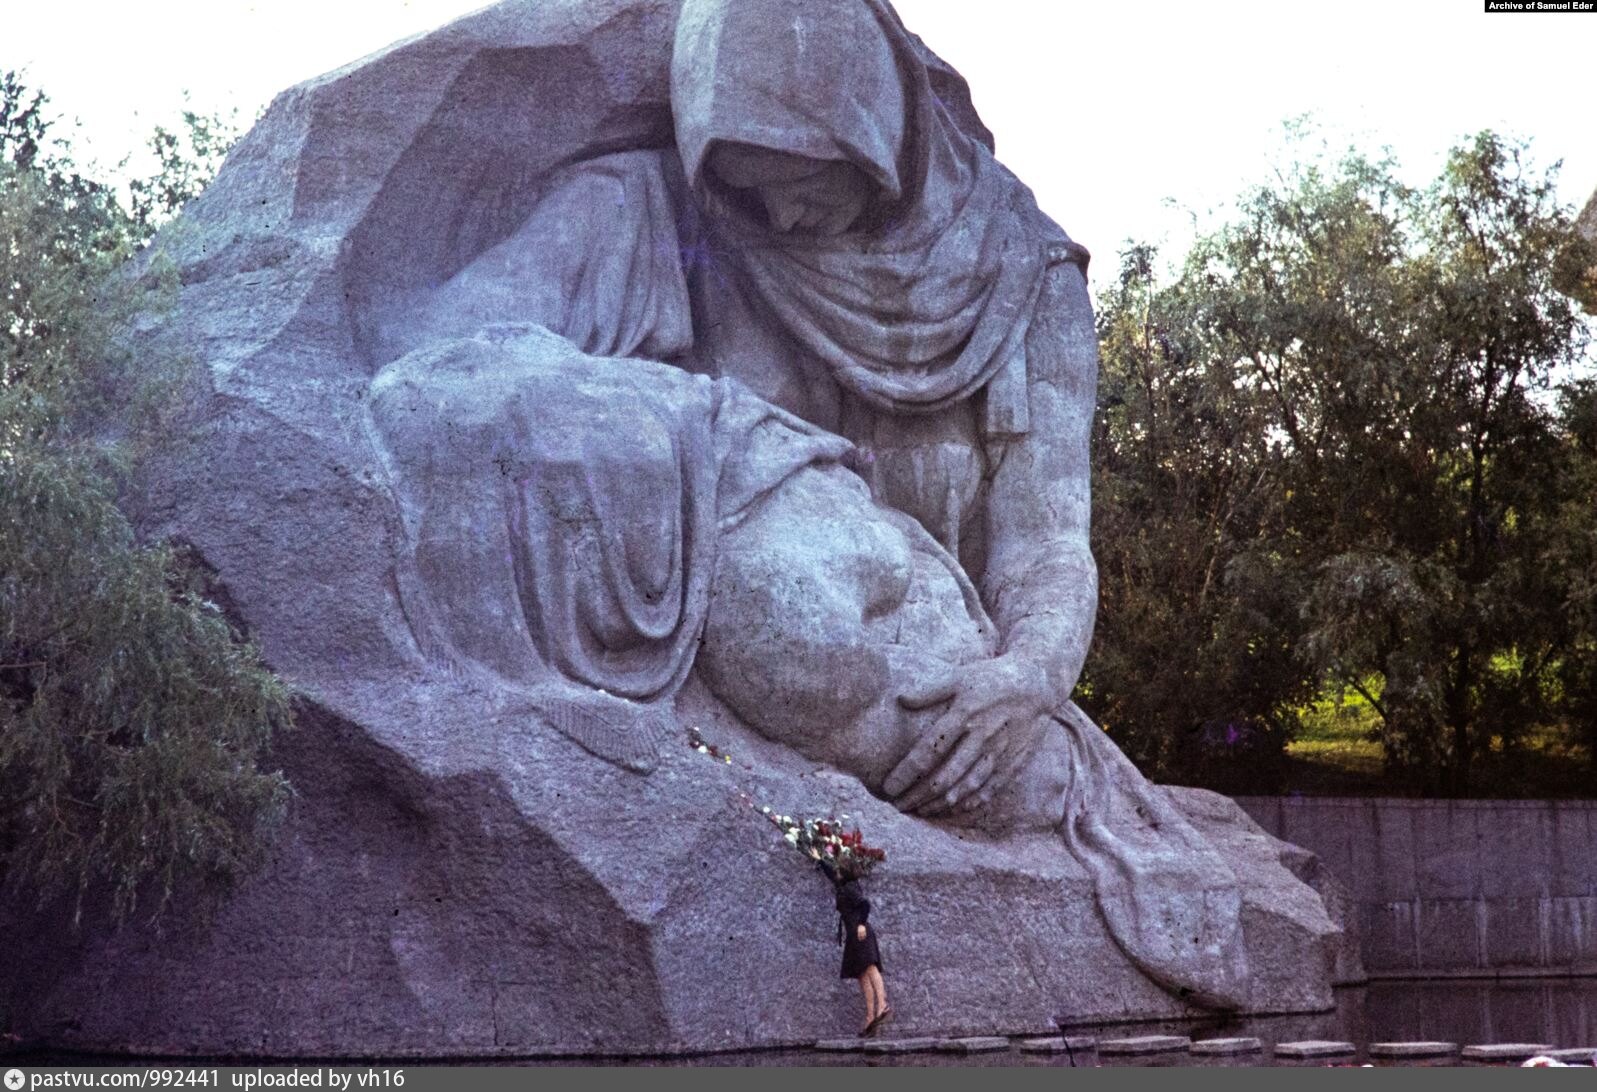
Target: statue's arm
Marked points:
1041	583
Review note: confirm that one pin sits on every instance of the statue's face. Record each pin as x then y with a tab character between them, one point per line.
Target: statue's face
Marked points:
799	194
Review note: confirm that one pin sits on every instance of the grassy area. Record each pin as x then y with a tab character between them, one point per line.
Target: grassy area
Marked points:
1340	738
1338	752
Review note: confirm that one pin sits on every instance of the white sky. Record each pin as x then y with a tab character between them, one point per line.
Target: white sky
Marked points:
1105	110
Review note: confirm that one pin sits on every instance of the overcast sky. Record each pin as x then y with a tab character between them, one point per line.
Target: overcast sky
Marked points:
1125	118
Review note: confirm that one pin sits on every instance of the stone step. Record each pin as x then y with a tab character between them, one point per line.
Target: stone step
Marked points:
1504	1052
1059	1044
915	1045
1412	1050
839	1045
1145	1044
1226	1046
976	1044
1575	1054
1312	1048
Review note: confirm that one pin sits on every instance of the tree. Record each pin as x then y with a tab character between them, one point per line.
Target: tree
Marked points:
133	718
1382	362
1569	548
1192	658
187	158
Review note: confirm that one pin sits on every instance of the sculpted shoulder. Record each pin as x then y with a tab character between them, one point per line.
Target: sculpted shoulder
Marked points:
596	262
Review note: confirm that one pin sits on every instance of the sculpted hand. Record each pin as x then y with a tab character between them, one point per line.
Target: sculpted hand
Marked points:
977	744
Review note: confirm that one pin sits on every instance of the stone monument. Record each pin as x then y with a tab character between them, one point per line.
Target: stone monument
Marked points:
589	371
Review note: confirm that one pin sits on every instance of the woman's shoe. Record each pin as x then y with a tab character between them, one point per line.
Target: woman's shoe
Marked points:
874	1028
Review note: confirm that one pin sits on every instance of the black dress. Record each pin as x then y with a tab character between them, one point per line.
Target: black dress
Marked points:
854	910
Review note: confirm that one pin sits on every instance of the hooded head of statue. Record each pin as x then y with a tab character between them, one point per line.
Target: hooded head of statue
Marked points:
789	117
841	164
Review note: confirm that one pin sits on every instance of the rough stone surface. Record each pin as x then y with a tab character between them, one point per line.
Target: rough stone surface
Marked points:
1313	1048
1450	886
1412	1050
1059	1044
1145	1044
1347	966
462	454
1226	1046
1504	1052
841	1046
1582	1055
977	1044
917	1045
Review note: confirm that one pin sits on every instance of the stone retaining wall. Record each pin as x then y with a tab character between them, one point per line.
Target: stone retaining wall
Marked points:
1456	886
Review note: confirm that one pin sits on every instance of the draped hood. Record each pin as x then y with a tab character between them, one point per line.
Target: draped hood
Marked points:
928	300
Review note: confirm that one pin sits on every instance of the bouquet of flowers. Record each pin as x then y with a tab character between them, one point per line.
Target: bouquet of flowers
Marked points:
828	840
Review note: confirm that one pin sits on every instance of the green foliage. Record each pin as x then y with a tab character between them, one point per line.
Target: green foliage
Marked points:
1331	455
1185	664
132	718
1570	549
187	160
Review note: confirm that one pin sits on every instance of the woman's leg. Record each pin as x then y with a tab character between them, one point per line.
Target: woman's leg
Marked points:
878	988
869	993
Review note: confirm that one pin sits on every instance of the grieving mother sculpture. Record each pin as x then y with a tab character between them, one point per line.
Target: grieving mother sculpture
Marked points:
878	273
587	370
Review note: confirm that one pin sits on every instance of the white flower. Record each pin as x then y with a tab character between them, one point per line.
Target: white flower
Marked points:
766	808
792	837
702	749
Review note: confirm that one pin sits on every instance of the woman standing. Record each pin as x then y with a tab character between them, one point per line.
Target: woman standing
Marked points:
862	959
